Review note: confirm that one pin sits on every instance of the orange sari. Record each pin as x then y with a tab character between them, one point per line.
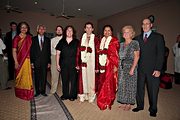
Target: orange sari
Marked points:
24	85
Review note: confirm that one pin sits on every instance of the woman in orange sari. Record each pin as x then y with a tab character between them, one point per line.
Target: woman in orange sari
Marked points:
21	54
108	64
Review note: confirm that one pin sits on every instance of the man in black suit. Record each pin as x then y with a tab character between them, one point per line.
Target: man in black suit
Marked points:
40	59
8	42
149	67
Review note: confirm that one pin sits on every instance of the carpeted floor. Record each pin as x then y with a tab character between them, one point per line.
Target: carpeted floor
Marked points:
12	108
168	108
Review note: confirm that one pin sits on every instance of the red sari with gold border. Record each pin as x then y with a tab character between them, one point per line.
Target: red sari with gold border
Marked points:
24	85
108	80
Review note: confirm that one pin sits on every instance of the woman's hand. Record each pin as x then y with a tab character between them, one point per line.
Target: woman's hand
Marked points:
16	65
115	69
58	68
131	72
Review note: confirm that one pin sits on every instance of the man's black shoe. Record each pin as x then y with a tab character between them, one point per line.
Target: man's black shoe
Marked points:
63	98
71	99
152	114
44	94
136	109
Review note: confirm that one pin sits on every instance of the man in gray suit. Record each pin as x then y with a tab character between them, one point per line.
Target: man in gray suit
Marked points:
149	67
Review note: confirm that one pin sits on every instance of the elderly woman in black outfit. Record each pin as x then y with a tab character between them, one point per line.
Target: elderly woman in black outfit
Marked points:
66	51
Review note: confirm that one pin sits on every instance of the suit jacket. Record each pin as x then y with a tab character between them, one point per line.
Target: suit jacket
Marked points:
8	43
151	52
38	56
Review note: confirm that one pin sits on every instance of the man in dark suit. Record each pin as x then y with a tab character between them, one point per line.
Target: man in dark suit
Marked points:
40	59
149	67
8	42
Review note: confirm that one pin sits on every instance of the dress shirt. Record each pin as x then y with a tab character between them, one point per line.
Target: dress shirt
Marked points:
54	42
13	34
148	33
39	38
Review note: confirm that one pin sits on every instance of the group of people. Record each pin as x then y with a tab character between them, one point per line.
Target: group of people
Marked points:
91	67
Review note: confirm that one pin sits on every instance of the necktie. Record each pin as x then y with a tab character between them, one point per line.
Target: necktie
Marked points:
145	38
41	43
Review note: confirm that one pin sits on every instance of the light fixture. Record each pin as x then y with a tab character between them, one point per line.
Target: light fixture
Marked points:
79	9
35	2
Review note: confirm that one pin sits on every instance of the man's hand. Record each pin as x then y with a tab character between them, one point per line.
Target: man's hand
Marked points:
49	65
156	73
32	65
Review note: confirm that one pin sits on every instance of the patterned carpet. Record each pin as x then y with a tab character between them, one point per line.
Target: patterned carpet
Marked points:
49	108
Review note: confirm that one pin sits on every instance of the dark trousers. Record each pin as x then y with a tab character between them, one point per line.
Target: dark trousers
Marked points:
152	88
69	82
11	67
177	77
40	79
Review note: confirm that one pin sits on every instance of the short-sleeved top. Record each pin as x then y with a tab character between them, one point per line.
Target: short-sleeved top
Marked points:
127	53
68	52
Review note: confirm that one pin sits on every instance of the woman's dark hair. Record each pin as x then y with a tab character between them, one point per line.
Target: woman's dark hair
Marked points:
74	32
109	27
19	28
89	23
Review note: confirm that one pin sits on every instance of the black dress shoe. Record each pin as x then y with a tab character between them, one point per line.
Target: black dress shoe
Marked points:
71	99
63	98
44	94
36	95
136	109
152	114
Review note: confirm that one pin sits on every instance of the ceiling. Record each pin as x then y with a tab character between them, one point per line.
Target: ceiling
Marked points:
89	8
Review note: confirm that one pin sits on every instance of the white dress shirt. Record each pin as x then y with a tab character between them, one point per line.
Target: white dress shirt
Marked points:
39	38
148	33
54	42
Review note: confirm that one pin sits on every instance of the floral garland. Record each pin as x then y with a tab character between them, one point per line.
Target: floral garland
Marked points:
86	50
103	52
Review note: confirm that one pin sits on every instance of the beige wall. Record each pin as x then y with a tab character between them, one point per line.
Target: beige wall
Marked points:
167	22
33	19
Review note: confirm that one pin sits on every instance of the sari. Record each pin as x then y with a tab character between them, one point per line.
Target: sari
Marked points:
108	78
23	74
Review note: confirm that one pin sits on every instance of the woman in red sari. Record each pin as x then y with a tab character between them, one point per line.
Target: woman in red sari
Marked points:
108	64
21	54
